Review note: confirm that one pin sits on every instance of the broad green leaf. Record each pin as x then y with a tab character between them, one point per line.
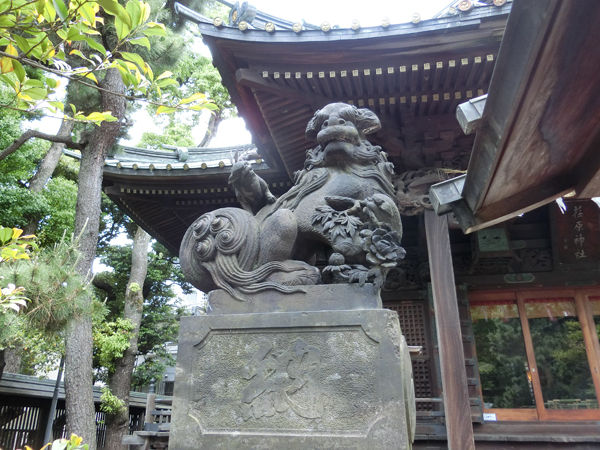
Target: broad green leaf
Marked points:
51	82
96	46
95	116
122	28
166	74
167	82
62	34
143	41
78	53
155	30
73	108
148	72
74	34
135	12
36	93
5	235
40	5
87	12
9	81
60	7
210	106
193	98
22	43
92	77
109	117
19	71
145	11
133	57
113	8
58	105
126	65
124	72
165	110
49	11
7	21
37	83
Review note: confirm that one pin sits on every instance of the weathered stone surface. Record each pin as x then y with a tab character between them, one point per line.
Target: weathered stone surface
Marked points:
342	203
311	298
296	380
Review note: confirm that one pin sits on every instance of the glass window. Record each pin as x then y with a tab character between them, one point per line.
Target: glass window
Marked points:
503	369
560	354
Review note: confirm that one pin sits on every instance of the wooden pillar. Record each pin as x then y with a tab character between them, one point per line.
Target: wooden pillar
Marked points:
459	427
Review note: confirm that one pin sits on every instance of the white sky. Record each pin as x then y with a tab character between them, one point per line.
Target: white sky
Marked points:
367	12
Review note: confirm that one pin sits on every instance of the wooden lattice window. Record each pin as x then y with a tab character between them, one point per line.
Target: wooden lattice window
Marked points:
413	322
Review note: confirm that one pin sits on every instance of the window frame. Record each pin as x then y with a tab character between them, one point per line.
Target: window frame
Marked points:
580	297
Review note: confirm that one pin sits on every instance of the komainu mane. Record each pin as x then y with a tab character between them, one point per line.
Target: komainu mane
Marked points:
343	201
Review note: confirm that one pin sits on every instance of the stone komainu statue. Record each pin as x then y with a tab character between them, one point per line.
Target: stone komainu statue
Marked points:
343	199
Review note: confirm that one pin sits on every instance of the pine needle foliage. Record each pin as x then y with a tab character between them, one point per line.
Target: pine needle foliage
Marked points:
56	291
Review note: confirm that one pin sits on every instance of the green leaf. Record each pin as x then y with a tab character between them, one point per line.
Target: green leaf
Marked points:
5	235
135	58
40	5
87	12
36	93
58	105
62	34
113	8
166	74
49	11
7	21
19	71
22	43
155	30
74	34
73	108
37	83
95	116
143	41
193	98
109	117
60	7
135	12
122	28
6	79
78	53
165	110
92	77
96	46
167	82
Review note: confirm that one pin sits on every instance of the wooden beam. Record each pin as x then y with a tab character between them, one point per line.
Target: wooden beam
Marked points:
452	360
533	370
249	78
590	337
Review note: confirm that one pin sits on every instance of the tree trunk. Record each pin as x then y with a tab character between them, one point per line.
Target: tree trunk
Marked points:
213	127
46	169
78	366
120	380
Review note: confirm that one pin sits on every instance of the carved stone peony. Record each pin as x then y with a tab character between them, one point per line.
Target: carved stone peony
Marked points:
342	200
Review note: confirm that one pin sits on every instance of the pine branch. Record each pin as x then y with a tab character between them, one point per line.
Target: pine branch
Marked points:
17	143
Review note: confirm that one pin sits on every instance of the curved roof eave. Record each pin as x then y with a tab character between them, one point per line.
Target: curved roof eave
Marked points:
447	24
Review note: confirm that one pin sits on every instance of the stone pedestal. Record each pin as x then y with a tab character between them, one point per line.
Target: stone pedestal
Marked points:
338	378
